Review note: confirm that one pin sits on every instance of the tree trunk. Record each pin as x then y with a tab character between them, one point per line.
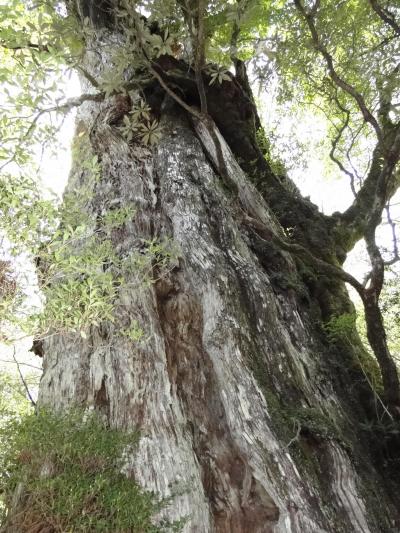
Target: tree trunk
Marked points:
249	420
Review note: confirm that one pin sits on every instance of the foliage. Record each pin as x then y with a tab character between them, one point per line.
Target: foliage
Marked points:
345	328
341	327
364	52
218	74
37	44
69	468
134	331
80	272
265	145
26	217
83	274
14	404
139	126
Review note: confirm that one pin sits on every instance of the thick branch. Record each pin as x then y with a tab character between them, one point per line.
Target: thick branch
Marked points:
377	338
320	266
385	185
370	298
381	183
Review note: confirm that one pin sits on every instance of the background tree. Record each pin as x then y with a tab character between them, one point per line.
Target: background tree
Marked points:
191	292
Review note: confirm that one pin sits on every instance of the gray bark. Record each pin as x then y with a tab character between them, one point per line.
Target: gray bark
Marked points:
226	358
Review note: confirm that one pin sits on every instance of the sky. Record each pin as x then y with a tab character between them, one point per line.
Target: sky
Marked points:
54	169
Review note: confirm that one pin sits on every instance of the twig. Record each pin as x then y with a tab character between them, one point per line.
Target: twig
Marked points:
309	17
392	224
335	143
21	364
296	437
88	76
23	380
27	46
65	107
192	110
374	390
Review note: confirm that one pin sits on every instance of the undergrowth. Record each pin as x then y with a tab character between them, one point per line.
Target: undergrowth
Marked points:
66	469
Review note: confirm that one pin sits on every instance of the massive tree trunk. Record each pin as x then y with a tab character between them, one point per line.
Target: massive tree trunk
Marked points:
249	419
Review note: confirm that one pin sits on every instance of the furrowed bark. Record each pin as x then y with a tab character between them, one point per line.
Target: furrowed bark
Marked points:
189	388
227	365
249	420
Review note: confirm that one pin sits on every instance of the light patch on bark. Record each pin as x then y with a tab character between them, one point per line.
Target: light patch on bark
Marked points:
345	486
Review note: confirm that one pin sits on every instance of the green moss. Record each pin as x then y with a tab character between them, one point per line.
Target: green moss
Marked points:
341	331
69	466
316	423
371	369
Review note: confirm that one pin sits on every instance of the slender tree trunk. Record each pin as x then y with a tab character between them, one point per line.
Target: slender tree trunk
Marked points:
248	419
377	338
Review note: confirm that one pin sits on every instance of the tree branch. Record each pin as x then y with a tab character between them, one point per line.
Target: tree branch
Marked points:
386	15
392	225
192	110
340	82
65	107
365	213
26	46
91	79
335	142
299	250
200	55
23	381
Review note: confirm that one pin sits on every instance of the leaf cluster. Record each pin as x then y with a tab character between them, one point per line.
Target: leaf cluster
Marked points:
138	125
365	53
38	44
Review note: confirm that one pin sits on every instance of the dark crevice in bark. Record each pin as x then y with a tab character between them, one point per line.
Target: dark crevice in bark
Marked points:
238	501
101	400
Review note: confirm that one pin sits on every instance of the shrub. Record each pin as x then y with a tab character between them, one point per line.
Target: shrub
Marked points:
68	470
